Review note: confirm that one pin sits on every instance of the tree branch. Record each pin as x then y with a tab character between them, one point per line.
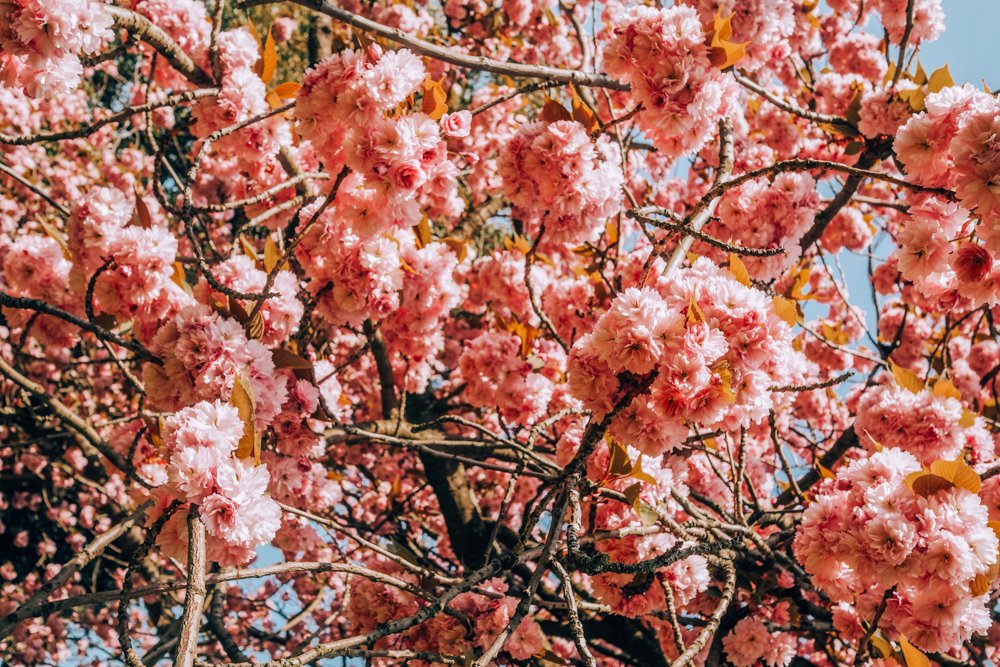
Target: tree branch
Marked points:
454	57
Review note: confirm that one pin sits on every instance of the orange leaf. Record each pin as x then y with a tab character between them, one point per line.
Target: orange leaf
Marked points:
906	378
739	270
552	111
271	255
141	217
243	400
913	656
582	113
423	232
980	584
612	231
180	279
268	60
287	90
786	309
722	52
435	102
457	246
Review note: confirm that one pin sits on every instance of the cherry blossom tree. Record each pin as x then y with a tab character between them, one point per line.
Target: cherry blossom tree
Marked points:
519	333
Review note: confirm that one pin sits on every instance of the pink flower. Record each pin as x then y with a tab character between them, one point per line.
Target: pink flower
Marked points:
971	262
456	124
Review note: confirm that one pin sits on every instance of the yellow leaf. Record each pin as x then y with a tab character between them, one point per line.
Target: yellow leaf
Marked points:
423	232
914	97
722	370
694	314
940	78
722	52
271	255
632	494
612	231
920	76
457	246
825	472
268	61
958	473
521	243
248	249
435	102
786	309
255	327
835	334
945	388
641	475
582	114
875	443
553	111
180	279
913	656
906	378
881	645
738	269
618	463
925	484
800	281
287	90
243	400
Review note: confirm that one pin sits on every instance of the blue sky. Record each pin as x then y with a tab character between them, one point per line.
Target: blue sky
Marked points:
971	48
970	44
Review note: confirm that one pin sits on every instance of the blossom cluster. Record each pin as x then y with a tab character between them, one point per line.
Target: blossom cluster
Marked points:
714	345
769	215
128	260
203	353
200	445
41	41
557	176
662	54
350	108
953	145
868	534
926	425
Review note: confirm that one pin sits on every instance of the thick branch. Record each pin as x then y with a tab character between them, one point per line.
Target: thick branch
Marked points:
153	35
194	598
452	56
